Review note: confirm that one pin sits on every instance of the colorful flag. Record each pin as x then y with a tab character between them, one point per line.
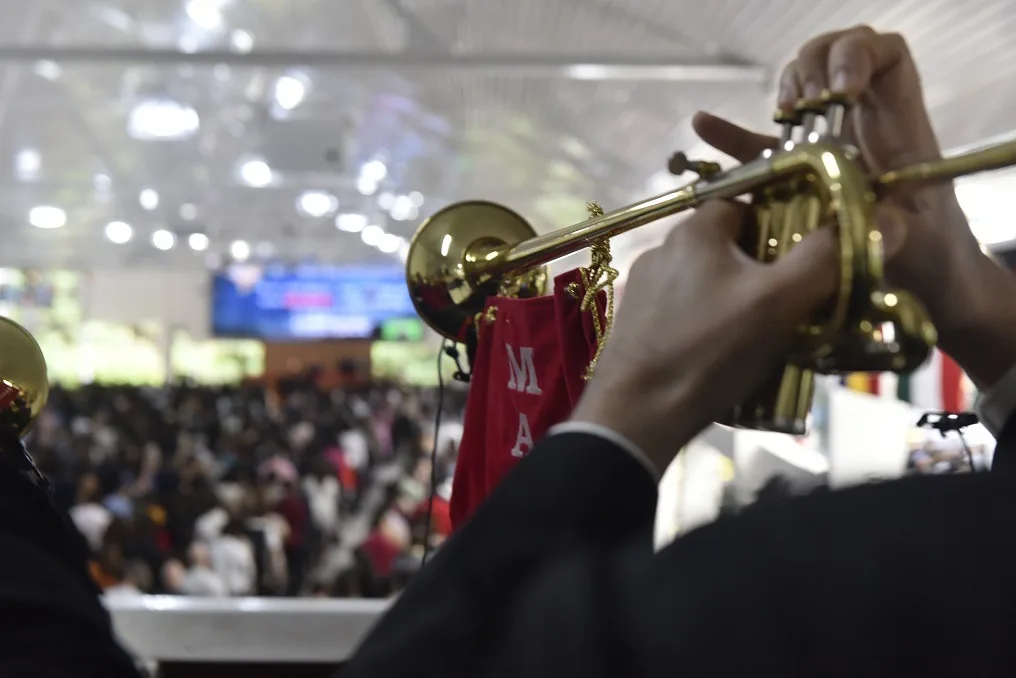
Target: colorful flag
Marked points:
936	385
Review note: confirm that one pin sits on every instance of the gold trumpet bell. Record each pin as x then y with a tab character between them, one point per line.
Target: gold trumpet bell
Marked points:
24	381
453	264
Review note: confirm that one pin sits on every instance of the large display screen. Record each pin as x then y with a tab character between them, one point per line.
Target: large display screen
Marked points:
307	302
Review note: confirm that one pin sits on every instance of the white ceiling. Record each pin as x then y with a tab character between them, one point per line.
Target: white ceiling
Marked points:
540	104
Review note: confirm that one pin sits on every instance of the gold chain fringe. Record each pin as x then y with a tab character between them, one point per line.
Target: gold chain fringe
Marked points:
599	276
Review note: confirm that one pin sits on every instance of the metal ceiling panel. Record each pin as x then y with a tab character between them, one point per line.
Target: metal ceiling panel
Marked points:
539	104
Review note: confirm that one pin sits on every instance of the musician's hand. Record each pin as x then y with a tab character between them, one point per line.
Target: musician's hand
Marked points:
942	263
701	326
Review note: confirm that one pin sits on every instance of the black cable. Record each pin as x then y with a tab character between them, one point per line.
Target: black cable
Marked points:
966	448
433	452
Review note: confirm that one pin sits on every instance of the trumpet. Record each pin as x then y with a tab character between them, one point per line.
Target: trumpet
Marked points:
469	251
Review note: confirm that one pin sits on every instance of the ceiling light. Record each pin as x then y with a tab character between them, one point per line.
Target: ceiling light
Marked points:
119	232
162	119
385	200
27	164
197	242
242	41
149	199
416	198
50	70
374	170
264	249
256	173
239	250
290	92
404	251
188	212
366	185
351	223
47	216
189	43
102	182
317	203
389	243
205	14
372	235
403	208
163	239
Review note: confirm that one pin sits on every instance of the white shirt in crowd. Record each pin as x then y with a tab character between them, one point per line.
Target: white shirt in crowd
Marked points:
201	581
323	498
354	446
233	560
92	520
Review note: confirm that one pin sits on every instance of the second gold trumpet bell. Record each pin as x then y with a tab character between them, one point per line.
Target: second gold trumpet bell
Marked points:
24	382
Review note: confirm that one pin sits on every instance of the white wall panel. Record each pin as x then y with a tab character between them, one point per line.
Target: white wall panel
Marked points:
176	298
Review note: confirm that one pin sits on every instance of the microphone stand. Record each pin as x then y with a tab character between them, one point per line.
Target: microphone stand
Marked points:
946	422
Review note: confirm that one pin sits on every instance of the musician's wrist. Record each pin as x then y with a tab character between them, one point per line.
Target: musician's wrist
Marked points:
658	419
977	324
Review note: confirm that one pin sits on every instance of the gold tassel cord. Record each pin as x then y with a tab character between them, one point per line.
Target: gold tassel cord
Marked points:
599	276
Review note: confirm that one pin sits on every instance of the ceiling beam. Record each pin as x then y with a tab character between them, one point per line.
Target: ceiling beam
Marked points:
594	67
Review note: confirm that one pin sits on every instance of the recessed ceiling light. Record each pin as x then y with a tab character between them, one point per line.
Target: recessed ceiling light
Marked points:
389	243
403	209
372	235
149	199
317	203
119	232
366	186
47	216
50	70
290	91
27	164
256	173
239	250
197	242
375	170
205	14
188	212
163	239
351	223
242	41
162	119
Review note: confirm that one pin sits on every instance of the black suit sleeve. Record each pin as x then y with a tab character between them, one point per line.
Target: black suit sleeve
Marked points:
574	493
52	623
554	577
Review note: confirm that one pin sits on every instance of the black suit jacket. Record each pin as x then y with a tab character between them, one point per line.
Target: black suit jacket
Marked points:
555	577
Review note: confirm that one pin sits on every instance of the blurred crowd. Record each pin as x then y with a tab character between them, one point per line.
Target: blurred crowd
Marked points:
946	456
297	490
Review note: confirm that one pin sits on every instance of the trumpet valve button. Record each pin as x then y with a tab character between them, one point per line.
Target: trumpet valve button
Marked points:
830	98
787	118
678	164
805	106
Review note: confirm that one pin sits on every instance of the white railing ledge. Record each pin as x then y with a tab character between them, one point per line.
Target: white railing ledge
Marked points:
290	630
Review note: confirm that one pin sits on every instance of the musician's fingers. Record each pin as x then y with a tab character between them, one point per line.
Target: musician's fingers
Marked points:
726	137
809	70
712	221
805	277
892	223
844	61
809	274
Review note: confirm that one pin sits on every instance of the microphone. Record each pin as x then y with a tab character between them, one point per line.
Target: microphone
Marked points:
944	422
